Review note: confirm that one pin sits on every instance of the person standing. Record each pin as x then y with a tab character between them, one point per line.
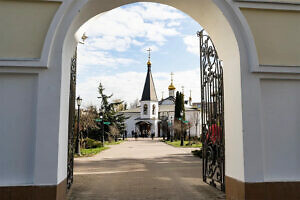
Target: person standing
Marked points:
152	135
135	135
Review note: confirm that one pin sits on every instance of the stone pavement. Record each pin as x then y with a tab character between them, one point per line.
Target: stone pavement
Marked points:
140	170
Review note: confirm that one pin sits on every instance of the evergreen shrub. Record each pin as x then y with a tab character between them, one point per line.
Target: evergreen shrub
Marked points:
90	143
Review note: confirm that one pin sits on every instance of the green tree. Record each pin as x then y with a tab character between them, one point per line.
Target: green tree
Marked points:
111	111
179	107
182	109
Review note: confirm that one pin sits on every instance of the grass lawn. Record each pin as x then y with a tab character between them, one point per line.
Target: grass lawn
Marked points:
177	144
91	152
113	142
94	151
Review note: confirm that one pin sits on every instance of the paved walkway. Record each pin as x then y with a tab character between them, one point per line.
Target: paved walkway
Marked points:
140	170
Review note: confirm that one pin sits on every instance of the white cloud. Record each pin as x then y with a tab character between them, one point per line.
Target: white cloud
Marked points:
192	44
99	59
142	24
129	85
126	86
119	28
155	11
173	23
137	43
189	79
109	43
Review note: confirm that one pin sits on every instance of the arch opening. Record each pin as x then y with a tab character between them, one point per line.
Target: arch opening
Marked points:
224	32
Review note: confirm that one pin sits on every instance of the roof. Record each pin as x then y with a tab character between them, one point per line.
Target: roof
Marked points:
149	92
143	122
132	110
171	98
161	108
171	108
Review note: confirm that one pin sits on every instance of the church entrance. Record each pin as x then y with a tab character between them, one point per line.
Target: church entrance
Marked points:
144	128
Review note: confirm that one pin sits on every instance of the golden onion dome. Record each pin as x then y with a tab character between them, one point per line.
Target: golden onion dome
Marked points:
148	63
171	87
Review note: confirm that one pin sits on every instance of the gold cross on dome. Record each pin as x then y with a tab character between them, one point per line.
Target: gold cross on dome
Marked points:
149	50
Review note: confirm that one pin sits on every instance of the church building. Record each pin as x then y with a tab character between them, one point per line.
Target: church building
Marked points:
156	117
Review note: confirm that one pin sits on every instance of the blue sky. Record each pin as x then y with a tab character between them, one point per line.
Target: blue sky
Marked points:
115	52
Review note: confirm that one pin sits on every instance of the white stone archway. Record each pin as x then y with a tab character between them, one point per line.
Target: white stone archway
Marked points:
230	38
34	76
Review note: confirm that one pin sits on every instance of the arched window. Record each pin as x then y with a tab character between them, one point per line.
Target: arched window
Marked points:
145	109
153	109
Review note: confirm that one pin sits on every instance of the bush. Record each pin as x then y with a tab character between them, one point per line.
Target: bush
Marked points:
90	143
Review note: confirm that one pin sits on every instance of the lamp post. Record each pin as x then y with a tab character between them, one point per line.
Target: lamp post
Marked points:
181	135
102	124
79	100
189	133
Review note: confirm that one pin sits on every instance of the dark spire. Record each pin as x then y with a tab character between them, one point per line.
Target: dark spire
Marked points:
149	93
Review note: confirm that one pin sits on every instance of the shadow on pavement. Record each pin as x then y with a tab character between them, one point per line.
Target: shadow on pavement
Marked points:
175	177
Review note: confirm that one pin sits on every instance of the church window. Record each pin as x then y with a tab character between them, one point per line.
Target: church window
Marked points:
145	109
153	110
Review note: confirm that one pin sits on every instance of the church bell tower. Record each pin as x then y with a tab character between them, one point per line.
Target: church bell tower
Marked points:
149	101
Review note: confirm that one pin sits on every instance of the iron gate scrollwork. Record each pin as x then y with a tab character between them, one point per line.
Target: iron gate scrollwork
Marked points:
212	113
71	127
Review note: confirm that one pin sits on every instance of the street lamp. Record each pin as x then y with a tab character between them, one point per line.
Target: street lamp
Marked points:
181	121
189	133
102	124
79	101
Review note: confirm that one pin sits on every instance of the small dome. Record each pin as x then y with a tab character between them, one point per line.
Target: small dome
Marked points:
148	63
171	87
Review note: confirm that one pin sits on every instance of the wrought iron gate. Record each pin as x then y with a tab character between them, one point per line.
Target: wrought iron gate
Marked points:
71	127
212	113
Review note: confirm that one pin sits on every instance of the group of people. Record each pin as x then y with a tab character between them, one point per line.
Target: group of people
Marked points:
144	134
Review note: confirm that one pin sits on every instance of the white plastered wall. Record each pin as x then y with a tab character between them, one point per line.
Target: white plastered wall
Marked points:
249	125
194	119
130	122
